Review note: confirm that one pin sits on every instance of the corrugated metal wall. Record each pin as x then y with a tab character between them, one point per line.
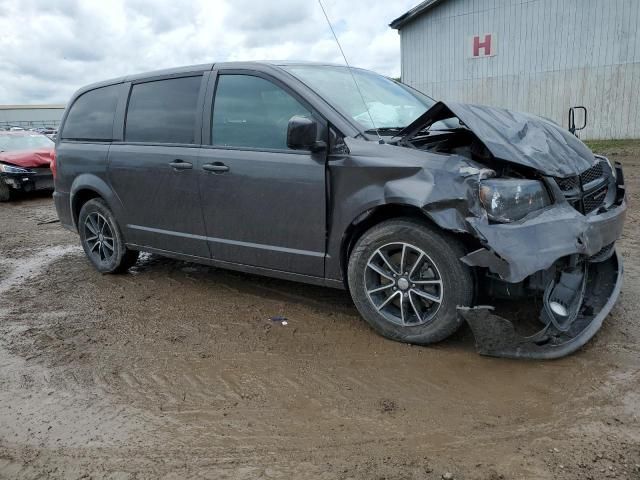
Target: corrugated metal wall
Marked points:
551	55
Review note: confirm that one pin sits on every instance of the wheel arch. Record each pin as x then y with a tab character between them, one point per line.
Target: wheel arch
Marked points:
87	187
376	215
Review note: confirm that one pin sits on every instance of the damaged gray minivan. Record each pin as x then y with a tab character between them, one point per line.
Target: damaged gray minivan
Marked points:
425	211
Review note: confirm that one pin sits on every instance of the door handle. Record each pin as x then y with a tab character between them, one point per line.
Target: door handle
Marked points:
217	167
180	165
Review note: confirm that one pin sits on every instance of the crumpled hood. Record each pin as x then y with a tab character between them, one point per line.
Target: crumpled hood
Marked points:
28	158
516	137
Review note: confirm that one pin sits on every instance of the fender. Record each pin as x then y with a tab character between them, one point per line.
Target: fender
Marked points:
372	176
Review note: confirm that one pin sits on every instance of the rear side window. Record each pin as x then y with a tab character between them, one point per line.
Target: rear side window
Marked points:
163	111
91	115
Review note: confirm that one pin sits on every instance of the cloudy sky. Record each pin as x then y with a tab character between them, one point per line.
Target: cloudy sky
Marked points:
50	48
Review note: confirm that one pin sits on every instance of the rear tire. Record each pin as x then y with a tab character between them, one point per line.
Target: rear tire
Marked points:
102	239
417	266
5	192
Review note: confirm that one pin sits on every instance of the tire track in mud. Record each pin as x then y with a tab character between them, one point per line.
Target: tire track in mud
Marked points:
20	270
49	407
272	402
214	386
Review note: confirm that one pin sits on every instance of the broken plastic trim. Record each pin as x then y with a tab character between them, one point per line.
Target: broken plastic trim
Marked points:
568	293
496	336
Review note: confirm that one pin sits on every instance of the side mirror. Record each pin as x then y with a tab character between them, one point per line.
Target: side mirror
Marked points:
572	119
302	134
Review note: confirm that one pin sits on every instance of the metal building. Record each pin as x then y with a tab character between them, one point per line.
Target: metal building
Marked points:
538	56
31	115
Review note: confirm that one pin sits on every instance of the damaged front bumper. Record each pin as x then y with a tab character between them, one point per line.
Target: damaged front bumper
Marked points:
569	256
497	336
33	179
516	251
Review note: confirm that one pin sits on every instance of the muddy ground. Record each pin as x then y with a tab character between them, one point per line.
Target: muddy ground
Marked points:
174	370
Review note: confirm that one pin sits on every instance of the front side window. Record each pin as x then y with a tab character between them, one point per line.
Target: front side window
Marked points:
163	111
91	115
252	112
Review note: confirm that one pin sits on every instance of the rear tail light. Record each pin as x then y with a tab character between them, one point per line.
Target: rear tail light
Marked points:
53	164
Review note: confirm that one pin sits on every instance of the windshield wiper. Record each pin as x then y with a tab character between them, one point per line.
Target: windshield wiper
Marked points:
384	130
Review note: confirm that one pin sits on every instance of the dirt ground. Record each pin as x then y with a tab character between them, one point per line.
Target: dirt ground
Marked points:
176	371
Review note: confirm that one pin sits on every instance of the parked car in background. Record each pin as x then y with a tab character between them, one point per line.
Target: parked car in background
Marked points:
293	170
48	131
25	160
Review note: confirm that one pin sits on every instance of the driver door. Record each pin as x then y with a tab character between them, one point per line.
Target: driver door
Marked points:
263	204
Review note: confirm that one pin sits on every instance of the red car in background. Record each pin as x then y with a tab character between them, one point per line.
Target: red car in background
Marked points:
25	160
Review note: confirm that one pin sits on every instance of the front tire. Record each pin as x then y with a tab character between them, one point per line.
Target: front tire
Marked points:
5	192
407	281
102	240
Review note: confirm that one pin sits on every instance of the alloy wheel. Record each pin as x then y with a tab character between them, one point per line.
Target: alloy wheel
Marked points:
403	284
99	237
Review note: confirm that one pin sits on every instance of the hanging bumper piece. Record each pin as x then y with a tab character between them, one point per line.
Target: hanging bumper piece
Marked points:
575	304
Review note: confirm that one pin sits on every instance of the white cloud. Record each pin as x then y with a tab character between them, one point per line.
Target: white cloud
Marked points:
48	49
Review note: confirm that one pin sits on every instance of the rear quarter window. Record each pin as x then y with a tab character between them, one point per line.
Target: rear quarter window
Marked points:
163	111
91	115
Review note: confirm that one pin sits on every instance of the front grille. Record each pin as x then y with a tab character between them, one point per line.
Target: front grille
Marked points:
592	201
586	192
568	184
594	173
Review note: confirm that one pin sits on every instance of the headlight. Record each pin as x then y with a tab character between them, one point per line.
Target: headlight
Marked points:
9	169
507	200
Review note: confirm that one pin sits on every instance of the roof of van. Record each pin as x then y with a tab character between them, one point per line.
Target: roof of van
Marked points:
198	68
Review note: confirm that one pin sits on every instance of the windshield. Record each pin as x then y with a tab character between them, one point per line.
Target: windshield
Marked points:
391	105
12	143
